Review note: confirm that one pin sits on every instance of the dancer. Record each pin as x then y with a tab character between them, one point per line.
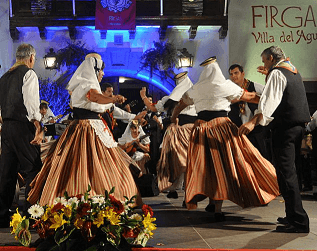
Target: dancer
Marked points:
21	130
172	163
220	164
86	153
284	106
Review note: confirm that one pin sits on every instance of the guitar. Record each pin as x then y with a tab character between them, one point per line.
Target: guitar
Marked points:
132	149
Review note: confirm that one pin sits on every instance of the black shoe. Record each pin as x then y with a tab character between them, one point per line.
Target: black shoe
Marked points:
291	229
219	217
173	195
282	220
184	204
210	208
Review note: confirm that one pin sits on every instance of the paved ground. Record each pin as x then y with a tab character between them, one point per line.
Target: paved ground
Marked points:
245	228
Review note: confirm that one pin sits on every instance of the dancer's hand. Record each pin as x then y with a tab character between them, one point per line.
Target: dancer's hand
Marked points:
246	128
143	93
263	70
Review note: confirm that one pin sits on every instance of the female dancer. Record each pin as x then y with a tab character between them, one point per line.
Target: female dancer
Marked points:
221	164
86	153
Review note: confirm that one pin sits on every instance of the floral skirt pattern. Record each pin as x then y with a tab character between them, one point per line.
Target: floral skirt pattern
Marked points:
78	159
173	158
224	166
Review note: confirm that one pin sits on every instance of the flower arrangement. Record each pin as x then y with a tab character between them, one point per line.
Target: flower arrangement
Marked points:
83	222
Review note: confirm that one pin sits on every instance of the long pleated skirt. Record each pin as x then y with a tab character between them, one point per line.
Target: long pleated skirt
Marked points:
79	158
173	157
224	166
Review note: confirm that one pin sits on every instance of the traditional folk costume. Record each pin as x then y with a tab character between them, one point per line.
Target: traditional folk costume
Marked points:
284	106
172	164
86	153
220	164
136	154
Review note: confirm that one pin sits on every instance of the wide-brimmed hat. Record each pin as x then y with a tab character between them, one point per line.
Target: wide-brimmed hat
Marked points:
209	61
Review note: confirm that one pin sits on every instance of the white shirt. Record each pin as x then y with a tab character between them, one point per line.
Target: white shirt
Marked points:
31	95
313	123
48	116
118	113
271	96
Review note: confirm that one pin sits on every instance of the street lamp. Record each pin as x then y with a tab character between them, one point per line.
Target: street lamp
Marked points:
185	59
50	60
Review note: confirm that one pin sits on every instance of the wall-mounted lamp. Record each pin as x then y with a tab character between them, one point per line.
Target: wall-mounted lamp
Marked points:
50	60
185	59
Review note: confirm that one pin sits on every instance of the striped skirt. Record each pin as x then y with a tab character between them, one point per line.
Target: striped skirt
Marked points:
78	159
173	158
224	166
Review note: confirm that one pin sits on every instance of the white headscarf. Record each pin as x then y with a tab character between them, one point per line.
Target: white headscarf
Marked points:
212	91
127	136
84	79
182	85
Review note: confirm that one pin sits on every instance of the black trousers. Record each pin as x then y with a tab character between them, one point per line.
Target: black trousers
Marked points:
17	155
286	142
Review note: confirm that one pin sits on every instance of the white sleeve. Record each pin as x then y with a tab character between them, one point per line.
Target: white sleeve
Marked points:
258	88
31	95
121	114
313	123
271	96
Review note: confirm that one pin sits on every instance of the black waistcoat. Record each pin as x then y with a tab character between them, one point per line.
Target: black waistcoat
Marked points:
11	98
234	113
293	109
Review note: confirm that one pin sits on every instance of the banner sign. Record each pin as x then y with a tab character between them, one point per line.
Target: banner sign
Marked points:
289	24
115	14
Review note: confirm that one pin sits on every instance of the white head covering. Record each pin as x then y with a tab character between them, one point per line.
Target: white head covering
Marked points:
183	83
212	91
127	137
84	79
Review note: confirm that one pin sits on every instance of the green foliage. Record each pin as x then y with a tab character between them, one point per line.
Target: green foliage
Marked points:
162	58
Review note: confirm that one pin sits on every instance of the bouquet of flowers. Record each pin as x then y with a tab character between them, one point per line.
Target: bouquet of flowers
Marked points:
83	222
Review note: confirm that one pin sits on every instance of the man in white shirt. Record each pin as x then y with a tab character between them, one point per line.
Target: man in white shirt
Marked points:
284	106
21	130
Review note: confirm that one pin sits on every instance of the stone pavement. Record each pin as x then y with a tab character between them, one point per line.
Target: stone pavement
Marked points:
251	228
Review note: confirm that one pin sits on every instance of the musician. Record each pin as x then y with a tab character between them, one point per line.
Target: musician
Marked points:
137	144
113	112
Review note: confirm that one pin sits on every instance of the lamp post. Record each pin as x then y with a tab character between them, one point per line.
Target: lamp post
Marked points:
50	60
185	59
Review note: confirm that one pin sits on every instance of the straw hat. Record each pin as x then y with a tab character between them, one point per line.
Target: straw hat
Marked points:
180	76
209	61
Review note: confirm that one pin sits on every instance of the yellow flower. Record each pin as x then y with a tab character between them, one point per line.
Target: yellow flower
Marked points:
79	223
100	218
147	222
67	211
58	221
16	220
112	216
47	214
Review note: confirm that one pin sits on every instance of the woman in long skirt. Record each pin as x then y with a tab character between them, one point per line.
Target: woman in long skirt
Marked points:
221	164
86	153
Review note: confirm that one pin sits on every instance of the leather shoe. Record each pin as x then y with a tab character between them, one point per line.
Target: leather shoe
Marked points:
282	220
172	194
210	208
291	229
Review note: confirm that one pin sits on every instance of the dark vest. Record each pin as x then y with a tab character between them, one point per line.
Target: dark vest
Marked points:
11	98
293	109
234	113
